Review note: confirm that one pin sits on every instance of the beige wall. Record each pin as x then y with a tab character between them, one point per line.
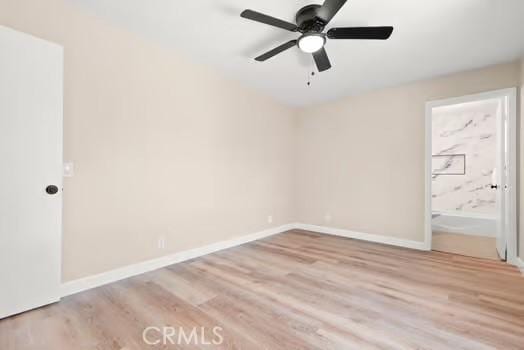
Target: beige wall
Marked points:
166	148
162	147
361	159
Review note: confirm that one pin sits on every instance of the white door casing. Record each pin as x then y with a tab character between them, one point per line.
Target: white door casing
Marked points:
31	103
506	169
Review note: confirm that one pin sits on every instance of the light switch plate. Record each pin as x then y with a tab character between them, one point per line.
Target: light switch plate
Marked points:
69	169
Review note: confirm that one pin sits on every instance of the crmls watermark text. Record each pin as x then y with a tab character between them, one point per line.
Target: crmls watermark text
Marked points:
182	336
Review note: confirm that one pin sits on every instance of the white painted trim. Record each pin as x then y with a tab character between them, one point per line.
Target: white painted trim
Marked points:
101	279
104	278
520	264
472	98
399	242
512	94
513	165
428	215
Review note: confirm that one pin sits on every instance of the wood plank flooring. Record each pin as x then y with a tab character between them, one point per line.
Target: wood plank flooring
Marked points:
297	290
467	245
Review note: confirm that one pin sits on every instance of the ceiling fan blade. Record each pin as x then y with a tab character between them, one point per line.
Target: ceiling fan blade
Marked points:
276	51
372	33
272	21
330	9
322	60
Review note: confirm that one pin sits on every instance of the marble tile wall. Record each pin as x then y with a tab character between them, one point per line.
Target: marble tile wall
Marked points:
465	133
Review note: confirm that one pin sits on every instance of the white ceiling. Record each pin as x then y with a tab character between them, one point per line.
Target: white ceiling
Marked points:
431	38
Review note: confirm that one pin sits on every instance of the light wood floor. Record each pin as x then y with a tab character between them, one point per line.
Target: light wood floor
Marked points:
297	290
474	246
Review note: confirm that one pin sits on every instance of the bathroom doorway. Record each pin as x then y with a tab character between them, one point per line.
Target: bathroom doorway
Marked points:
471	175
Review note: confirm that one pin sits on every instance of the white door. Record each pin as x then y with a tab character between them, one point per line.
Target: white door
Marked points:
31	72
498	181
502	178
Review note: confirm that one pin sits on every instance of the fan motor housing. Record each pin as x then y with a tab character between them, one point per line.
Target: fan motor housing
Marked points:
307	20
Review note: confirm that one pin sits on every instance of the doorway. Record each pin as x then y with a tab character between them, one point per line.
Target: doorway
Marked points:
471	175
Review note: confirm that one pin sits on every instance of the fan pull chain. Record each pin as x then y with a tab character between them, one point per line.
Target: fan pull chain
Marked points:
310	75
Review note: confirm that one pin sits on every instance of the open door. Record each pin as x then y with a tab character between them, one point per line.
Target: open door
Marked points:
499	179
31	171
503	179
503	221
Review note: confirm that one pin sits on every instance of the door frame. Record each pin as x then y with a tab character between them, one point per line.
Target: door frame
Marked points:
511	94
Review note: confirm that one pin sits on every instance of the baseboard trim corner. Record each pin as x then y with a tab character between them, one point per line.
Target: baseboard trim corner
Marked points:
90	282
398	242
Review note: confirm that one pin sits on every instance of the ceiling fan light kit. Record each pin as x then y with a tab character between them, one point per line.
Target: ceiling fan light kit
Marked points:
311	42
311	21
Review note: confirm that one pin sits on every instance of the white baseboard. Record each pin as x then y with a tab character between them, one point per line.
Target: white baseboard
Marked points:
101	279
365	236
520	264
104	278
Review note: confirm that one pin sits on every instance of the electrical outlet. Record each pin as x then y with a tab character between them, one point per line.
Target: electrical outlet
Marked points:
161	243
270	219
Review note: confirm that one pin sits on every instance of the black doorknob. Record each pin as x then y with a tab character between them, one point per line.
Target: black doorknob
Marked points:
51	189
494	187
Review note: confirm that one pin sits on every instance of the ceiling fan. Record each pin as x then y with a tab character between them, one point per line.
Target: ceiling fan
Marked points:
311	21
